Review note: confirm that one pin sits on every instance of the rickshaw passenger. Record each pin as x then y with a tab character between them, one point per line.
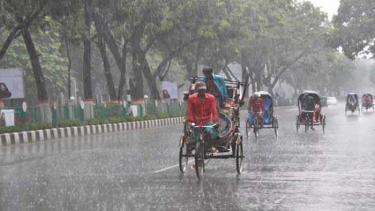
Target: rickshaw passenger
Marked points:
308	104
352	100
192	86
201	110
215	86
316	109
256	107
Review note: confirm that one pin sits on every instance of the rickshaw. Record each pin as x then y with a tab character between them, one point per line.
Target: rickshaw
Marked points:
367	102
352	103
269	119
309	111
229	144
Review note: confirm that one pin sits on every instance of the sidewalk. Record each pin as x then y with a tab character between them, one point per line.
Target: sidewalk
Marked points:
57	133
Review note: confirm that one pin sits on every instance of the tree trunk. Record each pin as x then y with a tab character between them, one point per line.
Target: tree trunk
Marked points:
107	68
37	69
69	68
122	72
87	87
13	35
151	80
23	24
258	78
137	89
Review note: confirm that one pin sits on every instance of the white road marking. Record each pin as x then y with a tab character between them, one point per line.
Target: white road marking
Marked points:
170	167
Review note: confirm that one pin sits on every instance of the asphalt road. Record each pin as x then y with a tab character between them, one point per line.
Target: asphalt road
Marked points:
138	170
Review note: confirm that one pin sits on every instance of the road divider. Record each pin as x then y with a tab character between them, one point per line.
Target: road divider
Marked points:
57	133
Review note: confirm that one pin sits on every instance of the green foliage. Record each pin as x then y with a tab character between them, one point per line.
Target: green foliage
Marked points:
162	115
52	62
177	114
69	123
11	129
39	126
21	127
149	117
134	119
96	121
354	27
117	119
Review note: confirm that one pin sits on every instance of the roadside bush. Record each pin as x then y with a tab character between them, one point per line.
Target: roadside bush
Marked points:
116	119
96	121
134	119
162	115
11	129
69	123
39	126
149	117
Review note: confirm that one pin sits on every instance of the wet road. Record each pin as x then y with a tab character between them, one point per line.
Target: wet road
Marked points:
138	171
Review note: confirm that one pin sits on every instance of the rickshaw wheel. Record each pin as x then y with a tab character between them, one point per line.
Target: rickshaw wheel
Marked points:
184	157
239	154
307	123
275	125
256	127
298	123
199	159
238	121
247	129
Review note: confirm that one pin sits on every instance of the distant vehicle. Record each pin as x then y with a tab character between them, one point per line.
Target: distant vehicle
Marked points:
367	102
323	101
331	101
352	103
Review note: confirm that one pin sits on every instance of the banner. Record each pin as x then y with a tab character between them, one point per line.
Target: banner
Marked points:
169	90
11	83
7	117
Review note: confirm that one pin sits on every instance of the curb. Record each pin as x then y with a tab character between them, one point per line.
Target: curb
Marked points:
57	133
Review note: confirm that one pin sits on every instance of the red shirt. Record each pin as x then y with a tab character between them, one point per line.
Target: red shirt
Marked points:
201	110
256	106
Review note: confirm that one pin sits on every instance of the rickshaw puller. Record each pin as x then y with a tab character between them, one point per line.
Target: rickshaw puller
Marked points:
201	110
256	106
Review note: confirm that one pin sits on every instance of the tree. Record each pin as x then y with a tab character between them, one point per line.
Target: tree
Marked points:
354	27
52	62
18	23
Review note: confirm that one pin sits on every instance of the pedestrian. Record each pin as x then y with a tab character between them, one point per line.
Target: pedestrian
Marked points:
2	120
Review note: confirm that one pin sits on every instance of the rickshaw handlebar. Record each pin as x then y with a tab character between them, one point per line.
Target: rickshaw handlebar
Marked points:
203	126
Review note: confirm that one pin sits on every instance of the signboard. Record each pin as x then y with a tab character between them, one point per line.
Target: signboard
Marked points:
11	83
169	90
134	110
8	115
24	106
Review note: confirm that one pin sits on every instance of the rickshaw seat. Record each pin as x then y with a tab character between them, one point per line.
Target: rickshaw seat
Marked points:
267	113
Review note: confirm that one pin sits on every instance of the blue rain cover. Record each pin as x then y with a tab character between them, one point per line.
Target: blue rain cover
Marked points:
267	116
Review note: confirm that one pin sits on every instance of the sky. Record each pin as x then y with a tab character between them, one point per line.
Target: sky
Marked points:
328	6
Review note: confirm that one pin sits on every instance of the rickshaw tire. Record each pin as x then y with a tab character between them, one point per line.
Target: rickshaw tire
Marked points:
239	156
183	162
307	121
199	155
